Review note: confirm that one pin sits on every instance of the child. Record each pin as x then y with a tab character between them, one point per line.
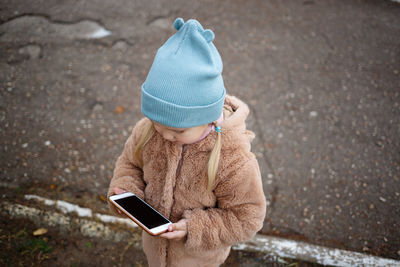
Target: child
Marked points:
190	156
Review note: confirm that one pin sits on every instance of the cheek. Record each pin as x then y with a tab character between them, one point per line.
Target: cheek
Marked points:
184	138
189	137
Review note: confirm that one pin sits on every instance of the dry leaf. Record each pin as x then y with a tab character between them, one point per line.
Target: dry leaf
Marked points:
103	198
40	231
105	68
119	109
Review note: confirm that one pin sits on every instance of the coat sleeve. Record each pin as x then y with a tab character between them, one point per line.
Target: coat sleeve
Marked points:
240	211
127	173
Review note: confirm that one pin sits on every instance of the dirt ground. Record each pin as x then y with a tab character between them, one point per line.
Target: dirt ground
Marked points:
19	247
58	247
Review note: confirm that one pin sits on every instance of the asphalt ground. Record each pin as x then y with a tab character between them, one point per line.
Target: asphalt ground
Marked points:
322	79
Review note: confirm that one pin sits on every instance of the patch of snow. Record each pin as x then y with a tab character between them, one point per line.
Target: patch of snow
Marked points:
67	207
303	251
112	219
99	33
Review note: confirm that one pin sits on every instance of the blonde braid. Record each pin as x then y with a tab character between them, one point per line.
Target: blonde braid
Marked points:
144	138
213	161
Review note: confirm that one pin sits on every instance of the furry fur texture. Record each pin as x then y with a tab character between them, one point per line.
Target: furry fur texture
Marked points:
174	181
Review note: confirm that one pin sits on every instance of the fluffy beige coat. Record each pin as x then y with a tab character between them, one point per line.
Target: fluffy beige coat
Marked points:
174	181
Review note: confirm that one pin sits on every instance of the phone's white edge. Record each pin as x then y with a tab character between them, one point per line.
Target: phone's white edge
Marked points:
122	195
154	231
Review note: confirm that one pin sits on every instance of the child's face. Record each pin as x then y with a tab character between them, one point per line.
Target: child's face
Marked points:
180	136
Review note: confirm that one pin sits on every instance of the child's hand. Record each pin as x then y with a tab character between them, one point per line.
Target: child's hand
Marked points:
117	191
176	230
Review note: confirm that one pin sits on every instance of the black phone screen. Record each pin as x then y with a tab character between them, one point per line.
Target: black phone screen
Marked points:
142	211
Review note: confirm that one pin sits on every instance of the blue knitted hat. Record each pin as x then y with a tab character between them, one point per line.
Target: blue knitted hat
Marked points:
184	87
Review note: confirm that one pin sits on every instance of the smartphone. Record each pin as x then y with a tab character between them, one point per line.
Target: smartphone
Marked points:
141	213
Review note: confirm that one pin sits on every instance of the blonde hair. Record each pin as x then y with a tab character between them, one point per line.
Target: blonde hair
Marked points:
144	138
213	161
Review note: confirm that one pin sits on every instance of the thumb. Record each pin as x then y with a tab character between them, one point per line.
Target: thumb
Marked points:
180	225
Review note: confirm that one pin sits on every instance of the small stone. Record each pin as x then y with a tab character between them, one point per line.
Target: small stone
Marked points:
33	51
382	199
313	114
47	143
105	68
338	208
120	45
98	107
163	23
25	145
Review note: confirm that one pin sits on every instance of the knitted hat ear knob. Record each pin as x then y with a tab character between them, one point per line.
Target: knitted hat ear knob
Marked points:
178	23
208	35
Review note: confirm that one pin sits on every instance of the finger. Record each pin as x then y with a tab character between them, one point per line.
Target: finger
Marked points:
172	235
180	225
172	227
165	235
118	190
175	227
